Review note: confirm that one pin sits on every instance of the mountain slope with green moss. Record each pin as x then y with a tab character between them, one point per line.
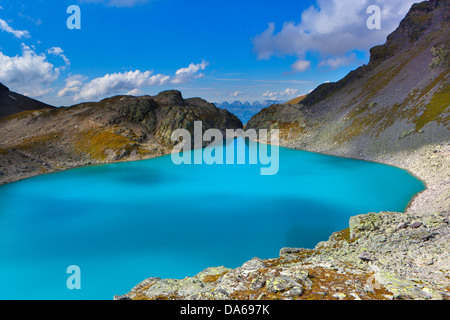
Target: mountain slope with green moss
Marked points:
11	102
399	100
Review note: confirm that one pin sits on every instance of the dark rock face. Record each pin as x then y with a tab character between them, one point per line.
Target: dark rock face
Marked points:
11	102
166	112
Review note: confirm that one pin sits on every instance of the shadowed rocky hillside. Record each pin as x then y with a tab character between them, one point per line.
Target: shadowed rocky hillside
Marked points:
115	129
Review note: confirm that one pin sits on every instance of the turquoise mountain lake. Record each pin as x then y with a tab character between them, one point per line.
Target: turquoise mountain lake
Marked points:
122	223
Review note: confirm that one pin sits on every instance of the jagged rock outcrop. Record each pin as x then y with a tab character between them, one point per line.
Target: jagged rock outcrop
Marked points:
11	102
115	129
393	110
380	256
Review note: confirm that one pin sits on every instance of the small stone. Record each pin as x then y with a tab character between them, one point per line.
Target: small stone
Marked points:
416	225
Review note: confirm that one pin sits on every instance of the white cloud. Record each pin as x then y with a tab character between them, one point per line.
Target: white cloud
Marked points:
118	82
130	82
237	94
332	28
57	51
282	94
184	75
30	73
301	66
4	26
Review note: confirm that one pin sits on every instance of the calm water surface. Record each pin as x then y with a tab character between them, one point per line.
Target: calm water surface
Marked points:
122	223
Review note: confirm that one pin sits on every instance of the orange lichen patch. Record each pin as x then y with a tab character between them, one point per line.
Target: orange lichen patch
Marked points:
435	109
97	142
210	278
343	235
290	130
299	256
327	283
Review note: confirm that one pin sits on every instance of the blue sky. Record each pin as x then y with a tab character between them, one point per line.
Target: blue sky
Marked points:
217	50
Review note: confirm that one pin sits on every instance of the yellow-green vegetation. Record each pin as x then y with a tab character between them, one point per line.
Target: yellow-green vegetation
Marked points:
289	130
382	78
323	281
3	152
434	110
96	142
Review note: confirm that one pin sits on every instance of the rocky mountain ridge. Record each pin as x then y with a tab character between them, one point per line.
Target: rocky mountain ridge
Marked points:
395	111
120	128
399	100
11	102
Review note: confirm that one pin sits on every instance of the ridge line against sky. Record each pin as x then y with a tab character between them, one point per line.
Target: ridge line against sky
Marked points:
215	50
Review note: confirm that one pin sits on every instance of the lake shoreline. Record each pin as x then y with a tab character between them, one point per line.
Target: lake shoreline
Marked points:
427	164
403	254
